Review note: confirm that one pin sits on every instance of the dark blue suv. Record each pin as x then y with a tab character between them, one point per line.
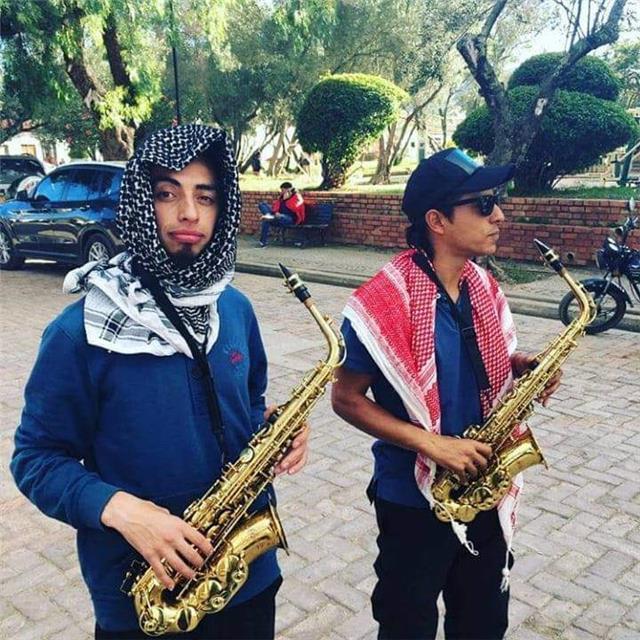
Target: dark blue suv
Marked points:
70	217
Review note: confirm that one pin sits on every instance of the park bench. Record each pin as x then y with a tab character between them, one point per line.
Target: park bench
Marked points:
317	219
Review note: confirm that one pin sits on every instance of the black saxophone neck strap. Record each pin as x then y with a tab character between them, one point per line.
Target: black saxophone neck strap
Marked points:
149	281
464	320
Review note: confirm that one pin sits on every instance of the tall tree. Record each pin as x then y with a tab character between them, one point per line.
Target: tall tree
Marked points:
101	55
591	24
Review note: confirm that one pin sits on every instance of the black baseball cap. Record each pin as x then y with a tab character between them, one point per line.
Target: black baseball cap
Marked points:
442	177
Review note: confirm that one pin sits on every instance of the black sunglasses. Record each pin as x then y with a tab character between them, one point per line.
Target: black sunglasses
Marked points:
485	203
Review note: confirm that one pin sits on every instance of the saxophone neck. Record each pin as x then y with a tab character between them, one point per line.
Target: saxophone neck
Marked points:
585	301
334	338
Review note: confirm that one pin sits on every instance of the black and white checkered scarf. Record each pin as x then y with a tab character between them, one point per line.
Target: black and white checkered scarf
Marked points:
122	316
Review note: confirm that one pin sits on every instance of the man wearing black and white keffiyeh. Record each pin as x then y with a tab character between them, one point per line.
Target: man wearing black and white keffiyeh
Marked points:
117	435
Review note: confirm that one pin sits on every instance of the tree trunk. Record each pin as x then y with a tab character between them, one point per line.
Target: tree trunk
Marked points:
282	158
382	173
513	140
491	265
397	143
117	143
276	153
332	177
245	162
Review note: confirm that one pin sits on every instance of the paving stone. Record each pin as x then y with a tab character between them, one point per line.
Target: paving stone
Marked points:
72	633
34	605
607	588
606	612
287	615
11	624
43	628
319	624
611	565
623	634
302	594
563	589
359	626
577	571
344	595
525	632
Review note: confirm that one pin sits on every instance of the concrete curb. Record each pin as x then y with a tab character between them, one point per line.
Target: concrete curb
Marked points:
525	305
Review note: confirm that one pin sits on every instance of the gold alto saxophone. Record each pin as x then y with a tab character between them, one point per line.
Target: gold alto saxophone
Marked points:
511	455
221	513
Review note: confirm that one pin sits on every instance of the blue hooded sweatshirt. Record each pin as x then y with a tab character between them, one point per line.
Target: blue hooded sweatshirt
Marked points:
96	422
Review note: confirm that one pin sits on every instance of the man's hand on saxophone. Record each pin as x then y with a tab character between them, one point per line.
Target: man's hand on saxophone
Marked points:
464	457
298	453
159	537
522	362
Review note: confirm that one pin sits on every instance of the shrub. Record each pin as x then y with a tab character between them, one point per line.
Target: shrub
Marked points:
589	75
343	113
577	128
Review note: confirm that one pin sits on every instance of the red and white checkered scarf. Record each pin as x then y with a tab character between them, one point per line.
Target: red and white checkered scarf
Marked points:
393	315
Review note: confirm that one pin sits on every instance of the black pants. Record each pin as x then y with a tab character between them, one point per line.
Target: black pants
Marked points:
251	620
420	557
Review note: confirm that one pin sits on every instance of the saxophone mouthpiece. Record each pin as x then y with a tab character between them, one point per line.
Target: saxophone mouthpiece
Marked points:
295	284
549	255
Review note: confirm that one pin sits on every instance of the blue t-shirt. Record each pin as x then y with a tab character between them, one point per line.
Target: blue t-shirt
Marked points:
393	476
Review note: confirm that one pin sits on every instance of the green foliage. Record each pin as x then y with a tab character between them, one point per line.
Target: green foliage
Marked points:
341	114
624	59
561	145
589	75
585	193
57	71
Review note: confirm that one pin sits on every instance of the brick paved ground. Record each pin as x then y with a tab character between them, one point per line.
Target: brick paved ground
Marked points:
578	547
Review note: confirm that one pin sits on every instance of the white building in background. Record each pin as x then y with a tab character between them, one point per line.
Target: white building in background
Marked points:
27	143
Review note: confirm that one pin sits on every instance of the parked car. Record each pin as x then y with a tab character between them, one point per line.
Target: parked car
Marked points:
14	168
69	217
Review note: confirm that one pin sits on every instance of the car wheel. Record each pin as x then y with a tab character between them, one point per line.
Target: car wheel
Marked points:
99	249
8	259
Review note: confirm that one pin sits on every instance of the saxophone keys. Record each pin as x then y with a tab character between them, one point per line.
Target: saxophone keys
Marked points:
188	619
152	622
246	455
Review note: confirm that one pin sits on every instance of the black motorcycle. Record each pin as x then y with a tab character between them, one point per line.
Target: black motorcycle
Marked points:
616	259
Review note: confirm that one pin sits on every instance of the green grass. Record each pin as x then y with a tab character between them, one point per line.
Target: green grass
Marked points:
357	182
586	193
307	183
521	273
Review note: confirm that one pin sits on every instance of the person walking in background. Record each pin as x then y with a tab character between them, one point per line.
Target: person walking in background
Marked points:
287	211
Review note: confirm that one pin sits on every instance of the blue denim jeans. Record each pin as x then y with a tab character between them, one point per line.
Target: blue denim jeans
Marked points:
282	220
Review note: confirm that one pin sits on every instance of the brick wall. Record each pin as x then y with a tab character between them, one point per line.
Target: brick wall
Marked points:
575	228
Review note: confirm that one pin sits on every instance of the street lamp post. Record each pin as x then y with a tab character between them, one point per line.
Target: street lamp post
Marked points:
174	56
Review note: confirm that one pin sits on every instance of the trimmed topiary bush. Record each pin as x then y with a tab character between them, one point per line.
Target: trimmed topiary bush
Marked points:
589	75
578	128
341	115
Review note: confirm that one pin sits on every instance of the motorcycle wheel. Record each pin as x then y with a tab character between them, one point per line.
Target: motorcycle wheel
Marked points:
610	308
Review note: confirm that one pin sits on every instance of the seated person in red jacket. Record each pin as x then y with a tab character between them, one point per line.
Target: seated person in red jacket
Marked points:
286	211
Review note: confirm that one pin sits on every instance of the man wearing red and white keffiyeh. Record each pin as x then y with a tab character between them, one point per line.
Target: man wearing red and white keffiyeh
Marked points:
404	343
